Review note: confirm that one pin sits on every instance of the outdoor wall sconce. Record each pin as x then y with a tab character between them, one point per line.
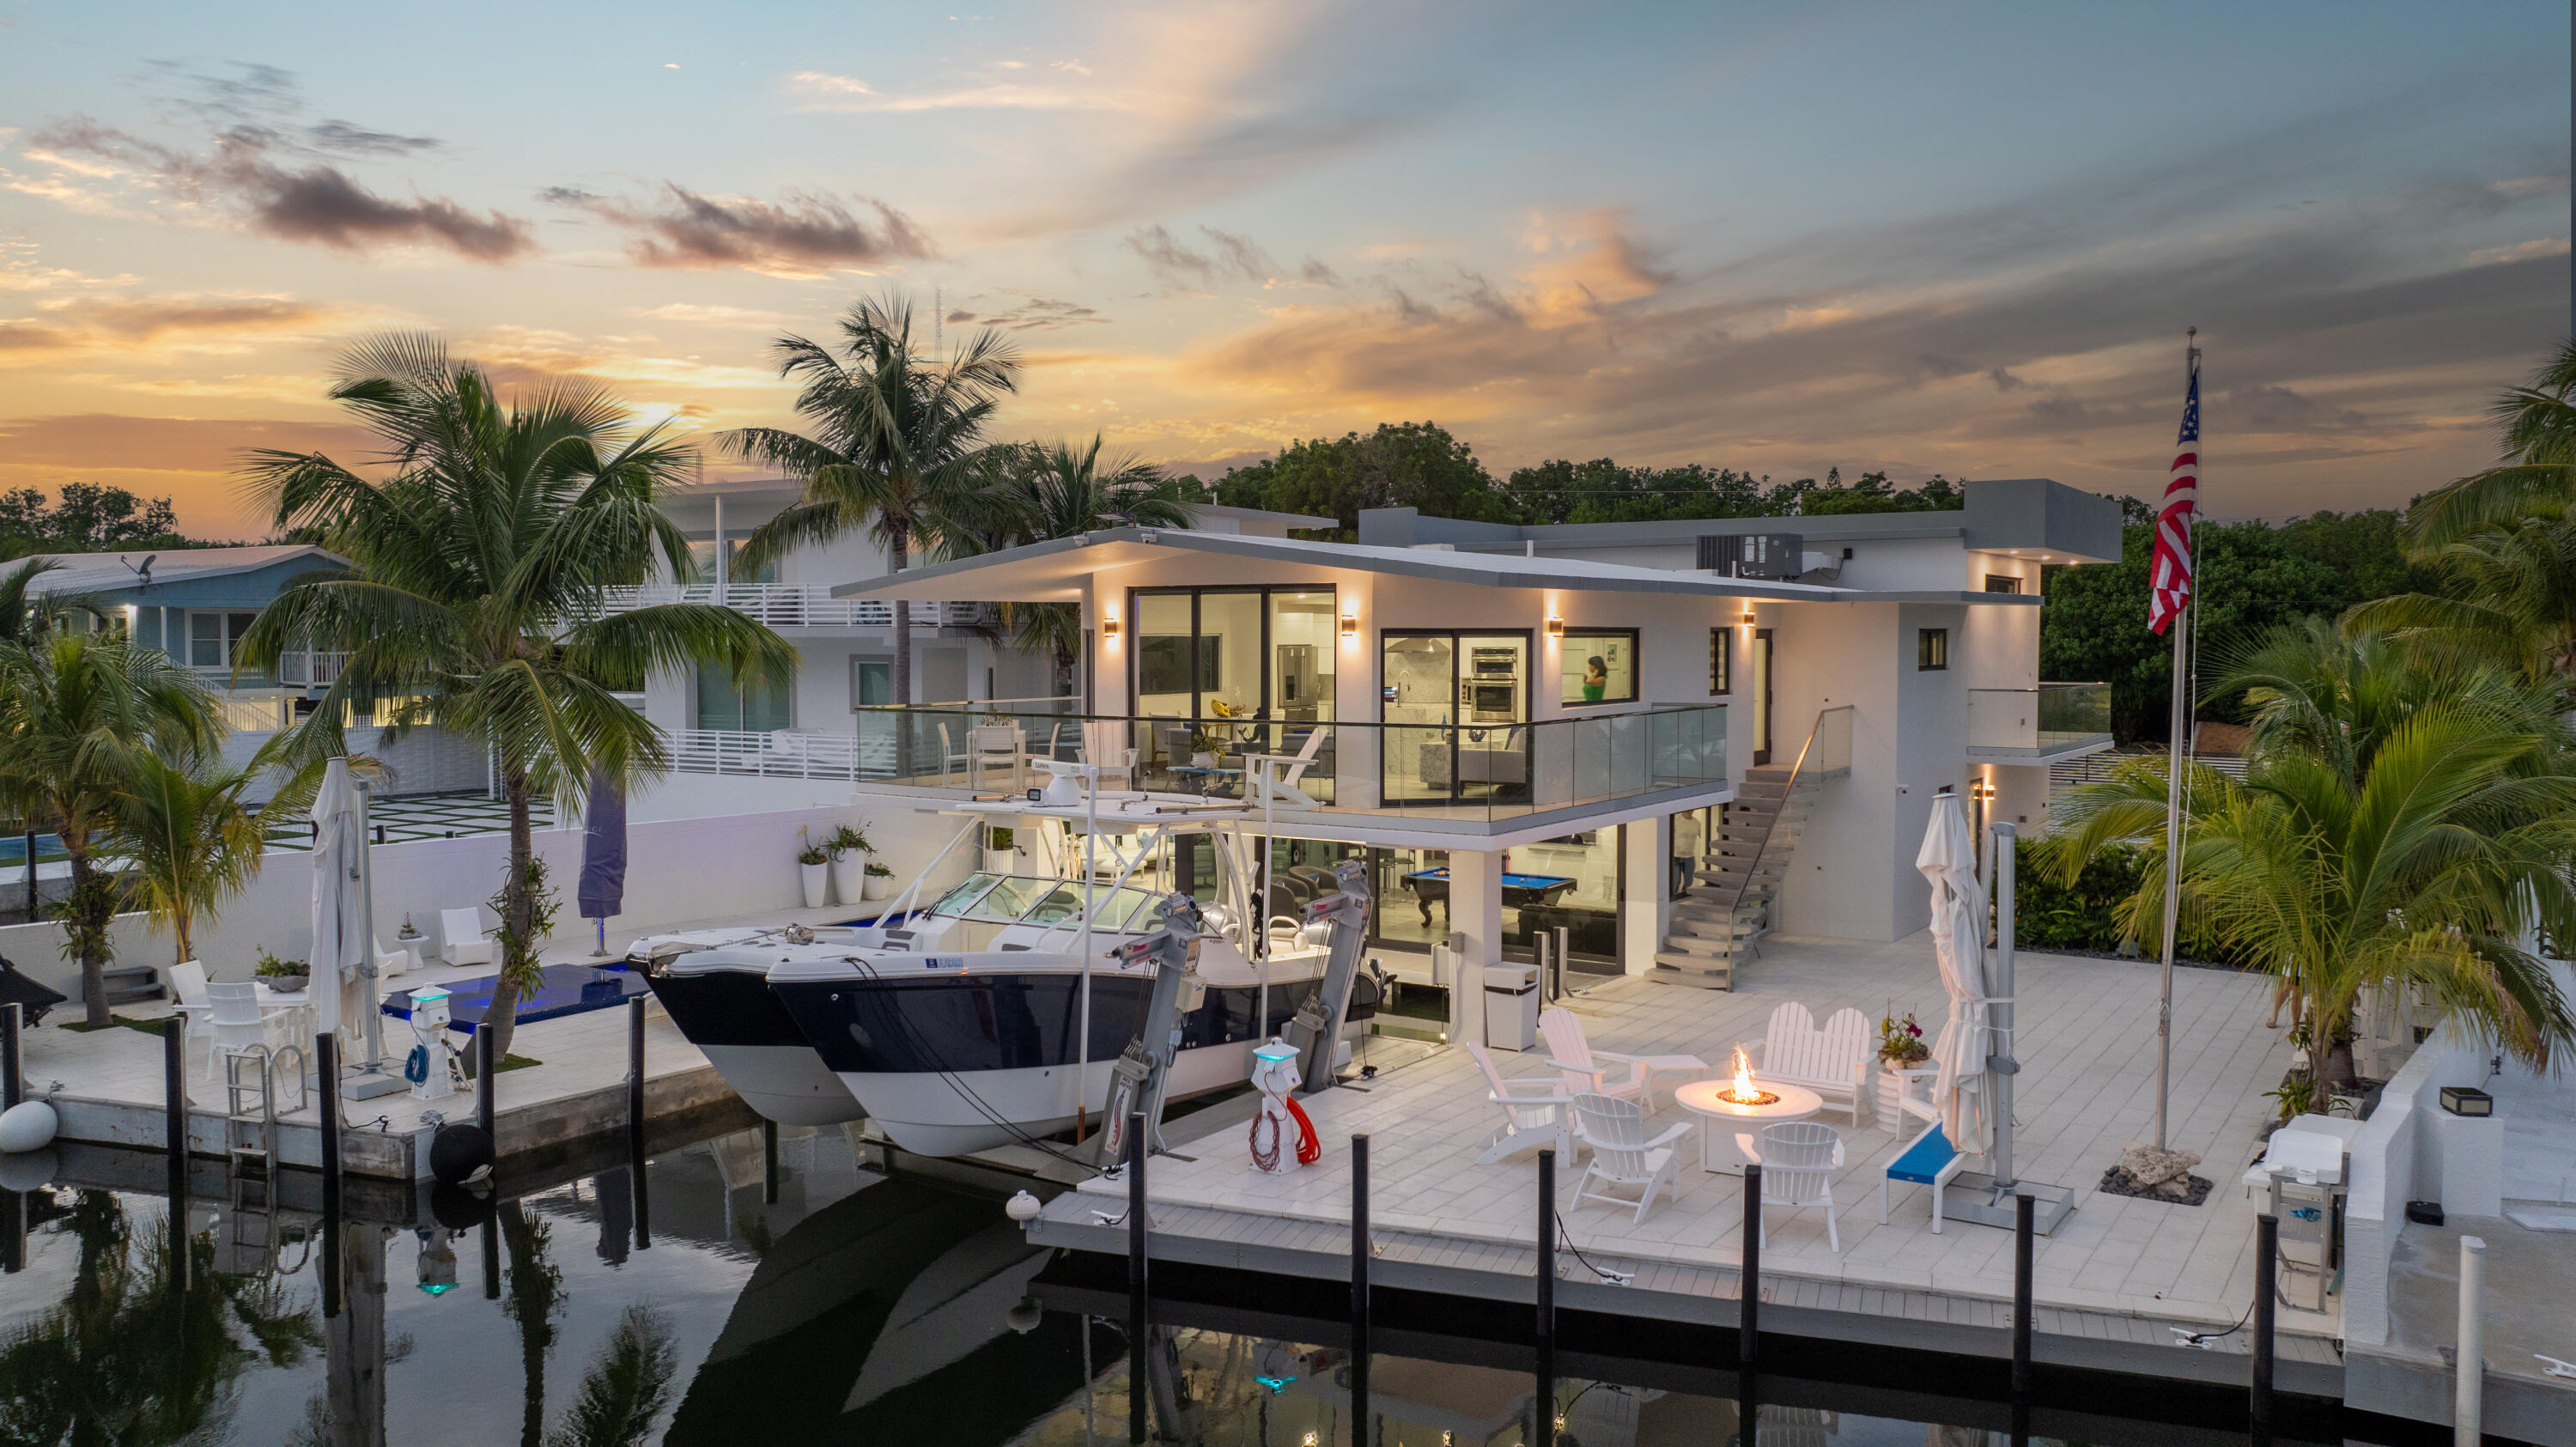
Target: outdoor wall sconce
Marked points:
1555	626
1109	626
1748	617
1350	625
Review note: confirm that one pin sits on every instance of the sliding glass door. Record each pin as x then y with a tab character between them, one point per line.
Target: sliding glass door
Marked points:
1236	671
1458	709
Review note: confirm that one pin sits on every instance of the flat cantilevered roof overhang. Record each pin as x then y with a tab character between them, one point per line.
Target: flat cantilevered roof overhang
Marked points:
1055	572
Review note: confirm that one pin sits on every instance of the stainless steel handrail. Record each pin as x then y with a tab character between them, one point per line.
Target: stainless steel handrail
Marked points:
1796	769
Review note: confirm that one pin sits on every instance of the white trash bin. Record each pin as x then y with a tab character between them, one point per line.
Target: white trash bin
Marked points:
1511	1007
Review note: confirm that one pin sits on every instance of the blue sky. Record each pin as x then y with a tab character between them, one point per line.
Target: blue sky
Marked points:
1956	238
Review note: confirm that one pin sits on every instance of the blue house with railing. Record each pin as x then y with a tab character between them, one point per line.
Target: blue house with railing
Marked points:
196	604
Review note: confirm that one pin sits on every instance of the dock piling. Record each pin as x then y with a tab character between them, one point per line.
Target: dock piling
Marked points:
2267	1258
1137	1283
1361	1252
635	1075
174	1100
769	1163
491	1253
1543	1407
485	1069
11	1087
326	1076
1748	1322
2024	1229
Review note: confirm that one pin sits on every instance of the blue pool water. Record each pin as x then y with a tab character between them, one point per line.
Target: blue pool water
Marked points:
569	990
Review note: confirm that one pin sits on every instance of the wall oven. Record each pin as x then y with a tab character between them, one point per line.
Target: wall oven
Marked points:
1489	702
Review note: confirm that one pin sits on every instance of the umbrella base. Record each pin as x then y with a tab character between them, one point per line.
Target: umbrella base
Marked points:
1971	1197
368	1084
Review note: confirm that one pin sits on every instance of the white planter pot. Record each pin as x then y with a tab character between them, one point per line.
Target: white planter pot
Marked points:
999	861
879	886
818	884
1203	759
846	875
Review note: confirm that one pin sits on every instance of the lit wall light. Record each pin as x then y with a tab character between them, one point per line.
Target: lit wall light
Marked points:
1350	625
1748	617
1109	623
1555	626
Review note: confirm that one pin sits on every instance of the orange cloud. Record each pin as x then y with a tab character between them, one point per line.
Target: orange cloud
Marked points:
170	322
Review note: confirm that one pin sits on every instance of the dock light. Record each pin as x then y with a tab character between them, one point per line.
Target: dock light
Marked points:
1555	626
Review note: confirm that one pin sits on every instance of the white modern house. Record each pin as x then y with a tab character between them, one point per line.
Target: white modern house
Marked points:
1662	741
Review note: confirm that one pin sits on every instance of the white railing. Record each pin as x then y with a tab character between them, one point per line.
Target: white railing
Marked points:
784	754
311	669
792	605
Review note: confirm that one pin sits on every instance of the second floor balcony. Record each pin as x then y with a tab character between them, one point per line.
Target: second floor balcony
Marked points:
2038	725
796	605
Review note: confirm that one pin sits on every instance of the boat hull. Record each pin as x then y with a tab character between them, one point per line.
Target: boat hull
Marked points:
751	1040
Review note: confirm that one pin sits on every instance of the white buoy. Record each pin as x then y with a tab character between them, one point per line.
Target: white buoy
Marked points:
27	1126
1022	1208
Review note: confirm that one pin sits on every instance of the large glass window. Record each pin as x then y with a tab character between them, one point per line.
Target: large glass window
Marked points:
214	639
1597	665
756	707
1460	705
871	681
1260	659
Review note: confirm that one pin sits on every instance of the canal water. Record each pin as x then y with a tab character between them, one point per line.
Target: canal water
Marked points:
809	1301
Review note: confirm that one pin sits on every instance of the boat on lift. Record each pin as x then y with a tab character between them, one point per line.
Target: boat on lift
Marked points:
714	984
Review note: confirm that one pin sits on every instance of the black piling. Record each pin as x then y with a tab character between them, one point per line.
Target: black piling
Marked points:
2024	1230
1137	1284
769	1162
2267	1254
1361	1253
635	1122
491	1253
174	1128
326	1075
485	1070
1748	1322
12	1088
13	1232
1543	1324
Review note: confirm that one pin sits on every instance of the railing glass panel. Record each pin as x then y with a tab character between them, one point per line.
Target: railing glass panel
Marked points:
2052	715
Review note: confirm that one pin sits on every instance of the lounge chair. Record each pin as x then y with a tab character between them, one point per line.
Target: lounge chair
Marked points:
1832	1062
462	940
1603	1072
1279	773
1535	1112
1622	1153
1798	1158
1927	1160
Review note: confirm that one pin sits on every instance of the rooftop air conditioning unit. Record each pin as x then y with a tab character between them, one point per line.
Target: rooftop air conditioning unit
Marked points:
1752	555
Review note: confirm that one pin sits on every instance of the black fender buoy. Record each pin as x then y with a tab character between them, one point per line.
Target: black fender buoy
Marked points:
458	1152
459	1208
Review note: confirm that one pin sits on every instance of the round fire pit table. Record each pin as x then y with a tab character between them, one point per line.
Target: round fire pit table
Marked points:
1720	1119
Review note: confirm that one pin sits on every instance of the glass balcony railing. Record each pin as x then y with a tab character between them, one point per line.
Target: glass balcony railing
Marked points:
2039	720
1489	771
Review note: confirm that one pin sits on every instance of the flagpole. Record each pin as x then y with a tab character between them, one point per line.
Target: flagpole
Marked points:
2181	725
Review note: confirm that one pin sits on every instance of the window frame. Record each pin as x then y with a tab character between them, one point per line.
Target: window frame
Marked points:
1721	661
1636	665
1931	650
2011	583
227	641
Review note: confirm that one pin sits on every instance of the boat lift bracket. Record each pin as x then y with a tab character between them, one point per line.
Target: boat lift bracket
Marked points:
1317	1027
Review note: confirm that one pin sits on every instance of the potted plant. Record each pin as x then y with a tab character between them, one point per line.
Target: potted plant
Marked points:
1900	1047
849	849
880	881
997	851
277	974
814	870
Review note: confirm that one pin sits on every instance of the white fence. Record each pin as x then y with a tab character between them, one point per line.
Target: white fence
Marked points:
310	669
793	605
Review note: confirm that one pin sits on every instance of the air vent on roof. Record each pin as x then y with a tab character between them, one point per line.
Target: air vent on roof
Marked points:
1752	555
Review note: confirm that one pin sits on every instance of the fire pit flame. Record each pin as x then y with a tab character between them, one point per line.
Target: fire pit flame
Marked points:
1743	1091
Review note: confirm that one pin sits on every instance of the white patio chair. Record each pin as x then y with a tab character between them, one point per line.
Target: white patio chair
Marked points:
187	981
239	1024
1622	1153
390	963
1798	1159
1279	773
461	940
1605	1072
1535	1112
996	747
1109	744
1833	1062
1927	1160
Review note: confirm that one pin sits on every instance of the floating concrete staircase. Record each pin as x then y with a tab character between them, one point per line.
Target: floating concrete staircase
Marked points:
1714	927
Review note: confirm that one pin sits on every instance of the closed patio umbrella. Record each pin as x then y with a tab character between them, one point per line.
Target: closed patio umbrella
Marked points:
341	950
1948	860
602	890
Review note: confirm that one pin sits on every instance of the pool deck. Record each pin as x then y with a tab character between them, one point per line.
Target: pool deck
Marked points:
111	1080
2110	1283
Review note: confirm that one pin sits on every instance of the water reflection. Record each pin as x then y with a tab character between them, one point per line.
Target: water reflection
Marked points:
785	1295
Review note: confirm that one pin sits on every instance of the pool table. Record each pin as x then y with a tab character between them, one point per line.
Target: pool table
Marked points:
1518	889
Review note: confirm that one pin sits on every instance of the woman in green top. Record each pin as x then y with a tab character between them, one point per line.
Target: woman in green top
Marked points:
1596	679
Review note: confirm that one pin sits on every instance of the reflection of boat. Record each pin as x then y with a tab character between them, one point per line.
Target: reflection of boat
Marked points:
714	984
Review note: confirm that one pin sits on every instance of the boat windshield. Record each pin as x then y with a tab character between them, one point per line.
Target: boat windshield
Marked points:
1009	898
957	901
1065	901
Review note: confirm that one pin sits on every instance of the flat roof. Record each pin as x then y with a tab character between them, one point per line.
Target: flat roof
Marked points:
1054	571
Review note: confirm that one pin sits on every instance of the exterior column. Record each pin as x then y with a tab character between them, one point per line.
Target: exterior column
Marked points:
1642	856
1476	920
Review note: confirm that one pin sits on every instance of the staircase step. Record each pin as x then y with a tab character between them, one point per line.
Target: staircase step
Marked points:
1682	971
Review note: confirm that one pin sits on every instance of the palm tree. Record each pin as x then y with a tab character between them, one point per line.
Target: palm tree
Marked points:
626	1388
27	616
534	1299
896	446
193	841
78	713
2539	426
2401	820
482	562
1058	490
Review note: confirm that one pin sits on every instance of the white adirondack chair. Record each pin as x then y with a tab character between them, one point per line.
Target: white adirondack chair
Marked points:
1535	1112
1279	773
461	940
1109	745
1832	1062
1798	1159
239	1024
1927	1160
1622	1153
1604	1072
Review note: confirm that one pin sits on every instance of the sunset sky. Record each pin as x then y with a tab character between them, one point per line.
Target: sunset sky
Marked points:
1962	238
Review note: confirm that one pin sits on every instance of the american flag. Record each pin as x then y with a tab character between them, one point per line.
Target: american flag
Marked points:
2169	576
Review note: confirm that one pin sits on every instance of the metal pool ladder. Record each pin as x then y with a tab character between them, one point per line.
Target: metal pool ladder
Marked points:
250	1234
